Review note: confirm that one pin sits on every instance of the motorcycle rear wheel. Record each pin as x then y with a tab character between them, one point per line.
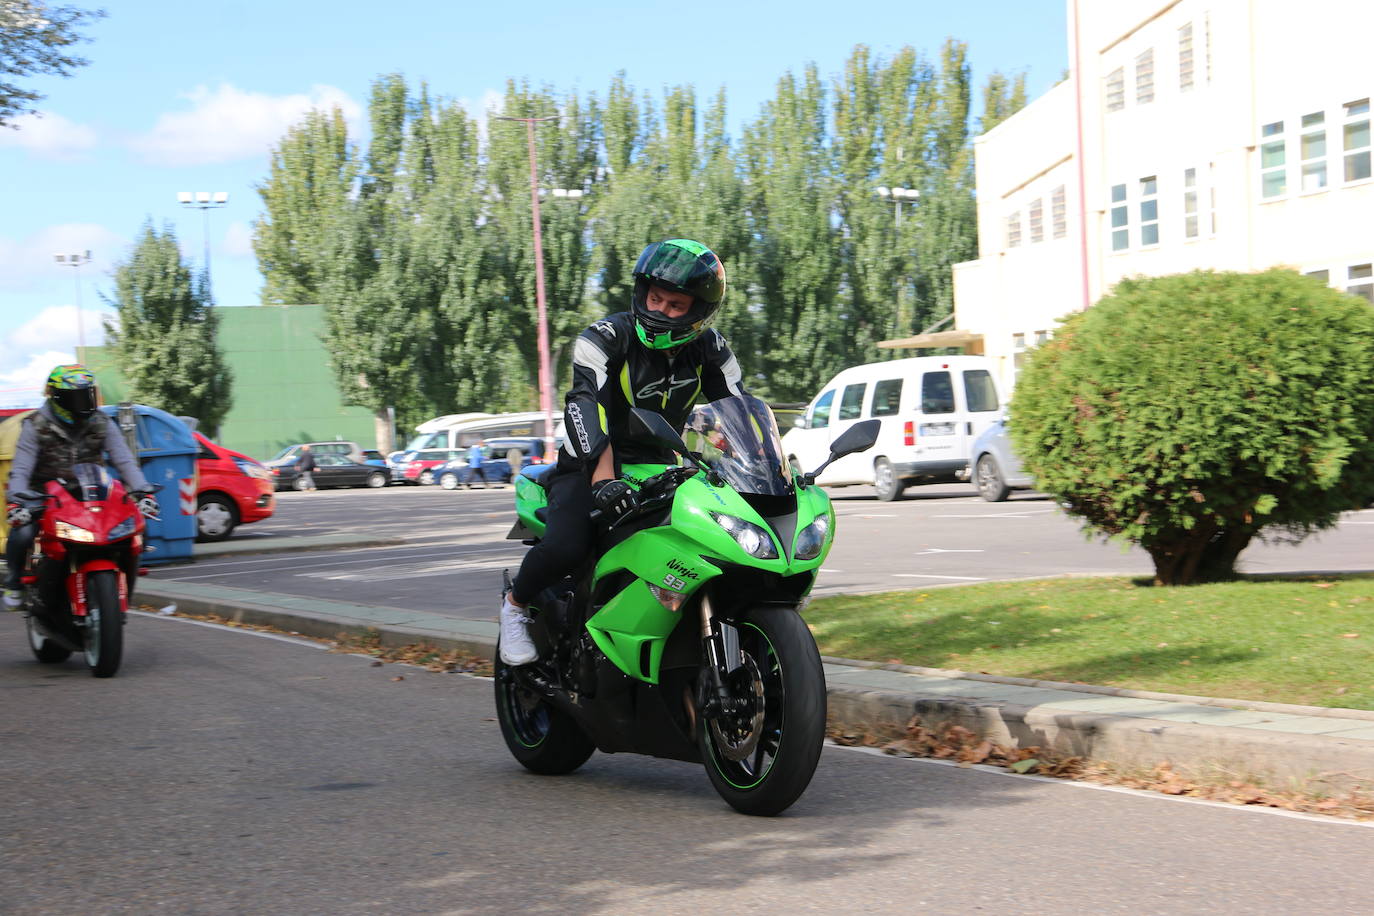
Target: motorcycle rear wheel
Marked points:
779	768
44	649
544	739
104	634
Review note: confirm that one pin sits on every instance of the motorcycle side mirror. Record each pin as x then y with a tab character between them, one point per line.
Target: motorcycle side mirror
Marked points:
652	427
858	438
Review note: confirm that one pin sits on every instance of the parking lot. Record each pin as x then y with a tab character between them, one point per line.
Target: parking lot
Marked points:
453	546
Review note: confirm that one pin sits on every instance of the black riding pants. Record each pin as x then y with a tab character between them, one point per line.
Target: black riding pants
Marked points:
568	535
17	551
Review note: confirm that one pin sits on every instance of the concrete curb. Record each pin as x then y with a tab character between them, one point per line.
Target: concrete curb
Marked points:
1284	746
270	544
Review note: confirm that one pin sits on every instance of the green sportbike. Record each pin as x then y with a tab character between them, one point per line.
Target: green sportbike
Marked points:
681	637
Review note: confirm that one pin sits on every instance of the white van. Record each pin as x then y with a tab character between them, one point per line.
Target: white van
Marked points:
460	430
931	408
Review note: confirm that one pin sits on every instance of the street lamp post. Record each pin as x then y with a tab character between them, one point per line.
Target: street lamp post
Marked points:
900	196
204	201
545	375
75	261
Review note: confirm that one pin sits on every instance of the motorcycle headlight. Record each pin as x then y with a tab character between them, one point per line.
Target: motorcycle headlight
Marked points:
752	539
72	533
812	538
123	529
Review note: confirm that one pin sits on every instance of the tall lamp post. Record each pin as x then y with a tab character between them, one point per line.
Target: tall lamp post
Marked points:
75	261
898	197
204	201
545	375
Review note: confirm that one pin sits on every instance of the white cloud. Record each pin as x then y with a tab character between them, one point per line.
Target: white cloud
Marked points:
30	260
238	240
49	135
23	386
55	328
228	123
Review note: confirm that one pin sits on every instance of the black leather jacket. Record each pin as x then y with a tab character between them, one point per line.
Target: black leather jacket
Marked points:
613	371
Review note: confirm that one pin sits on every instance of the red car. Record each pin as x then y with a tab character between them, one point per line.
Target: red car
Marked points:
233	490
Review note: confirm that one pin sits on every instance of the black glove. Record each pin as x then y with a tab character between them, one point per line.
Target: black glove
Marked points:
17	515
615	498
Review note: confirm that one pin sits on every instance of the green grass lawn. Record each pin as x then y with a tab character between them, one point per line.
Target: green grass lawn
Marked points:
1295	640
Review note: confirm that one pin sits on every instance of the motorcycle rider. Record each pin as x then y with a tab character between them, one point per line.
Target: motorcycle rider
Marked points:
659	355
67	430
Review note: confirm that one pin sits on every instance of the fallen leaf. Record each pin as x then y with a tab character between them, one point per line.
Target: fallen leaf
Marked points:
1350	636
1024	766
376	664
399	677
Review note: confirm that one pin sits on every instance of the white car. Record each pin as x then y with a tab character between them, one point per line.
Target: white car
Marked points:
996	468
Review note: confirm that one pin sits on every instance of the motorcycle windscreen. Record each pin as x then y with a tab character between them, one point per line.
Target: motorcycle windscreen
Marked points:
90	482
739	437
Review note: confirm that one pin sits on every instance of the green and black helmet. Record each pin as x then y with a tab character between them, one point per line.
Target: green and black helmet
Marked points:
73	393
684	266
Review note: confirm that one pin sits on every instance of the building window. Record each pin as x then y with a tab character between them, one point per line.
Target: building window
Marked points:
1323	276
1037	221
1207	43
1121	233
1190	224
1041	338
1149	211
1211	198
1145	77
1313	151
1364	272
1356	140
1273	159
1059	214
1185	57
1014	230
1116	90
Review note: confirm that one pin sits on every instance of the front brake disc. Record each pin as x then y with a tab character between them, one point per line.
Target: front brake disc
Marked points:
741	732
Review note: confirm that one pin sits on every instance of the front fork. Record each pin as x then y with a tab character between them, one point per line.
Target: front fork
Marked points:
720	642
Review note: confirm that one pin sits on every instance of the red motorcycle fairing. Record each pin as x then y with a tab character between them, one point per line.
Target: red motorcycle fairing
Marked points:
96	518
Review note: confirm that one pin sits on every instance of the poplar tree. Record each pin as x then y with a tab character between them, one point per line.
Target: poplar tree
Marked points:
163	334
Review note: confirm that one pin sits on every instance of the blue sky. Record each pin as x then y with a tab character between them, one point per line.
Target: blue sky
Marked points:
191	96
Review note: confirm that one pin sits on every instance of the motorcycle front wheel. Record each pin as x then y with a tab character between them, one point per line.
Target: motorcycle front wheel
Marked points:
545	740
762	764
104	634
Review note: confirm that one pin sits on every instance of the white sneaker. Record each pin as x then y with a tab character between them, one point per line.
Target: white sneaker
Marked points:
516	646
14	599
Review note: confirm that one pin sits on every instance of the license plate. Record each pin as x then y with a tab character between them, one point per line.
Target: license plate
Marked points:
937	429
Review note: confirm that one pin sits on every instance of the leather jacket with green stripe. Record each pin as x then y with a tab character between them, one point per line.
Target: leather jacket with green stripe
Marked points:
613	371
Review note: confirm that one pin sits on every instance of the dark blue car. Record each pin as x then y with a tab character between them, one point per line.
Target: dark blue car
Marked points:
456	473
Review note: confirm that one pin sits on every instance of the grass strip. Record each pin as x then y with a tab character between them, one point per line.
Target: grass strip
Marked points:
1301	639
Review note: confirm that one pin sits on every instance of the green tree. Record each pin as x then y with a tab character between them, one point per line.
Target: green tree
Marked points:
163	335
36	38
1003	97
305	198
1190	413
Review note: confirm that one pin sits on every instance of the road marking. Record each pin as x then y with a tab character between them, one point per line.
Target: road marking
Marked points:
925	576
1329	820
988	515
412	570
930	550
302	563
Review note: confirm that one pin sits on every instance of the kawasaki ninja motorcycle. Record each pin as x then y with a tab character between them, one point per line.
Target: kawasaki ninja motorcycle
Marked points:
682	637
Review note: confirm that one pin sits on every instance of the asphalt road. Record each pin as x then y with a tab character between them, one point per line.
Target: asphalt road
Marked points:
226	772
455	547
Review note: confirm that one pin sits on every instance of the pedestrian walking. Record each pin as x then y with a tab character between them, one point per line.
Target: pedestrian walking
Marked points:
305	466
475	465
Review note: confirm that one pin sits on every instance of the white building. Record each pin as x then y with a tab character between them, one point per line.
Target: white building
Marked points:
1225	134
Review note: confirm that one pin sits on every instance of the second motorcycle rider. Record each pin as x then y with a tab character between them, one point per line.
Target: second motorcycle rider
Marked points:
660	356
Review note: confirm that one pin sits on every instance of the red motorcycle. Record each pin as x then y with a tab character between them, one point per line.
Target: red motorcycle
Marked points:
80	575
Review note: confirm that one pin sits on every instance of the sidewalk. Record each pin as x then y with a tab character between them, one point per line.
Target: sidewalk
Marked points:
1299	747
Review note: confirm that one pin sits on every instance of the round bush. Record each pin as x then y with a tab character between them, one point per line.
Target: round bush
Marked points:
1186	413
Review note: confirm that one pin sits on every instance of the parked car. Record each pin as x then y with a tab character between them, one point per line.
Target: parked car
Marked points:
343	447
996	468
233	490
333	471
456	472
931	408
418	466
374	457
